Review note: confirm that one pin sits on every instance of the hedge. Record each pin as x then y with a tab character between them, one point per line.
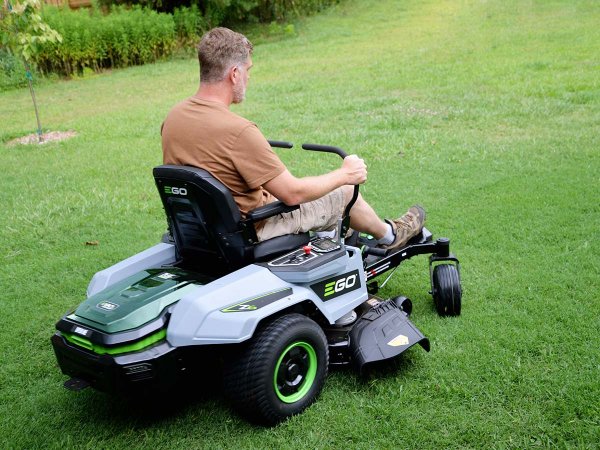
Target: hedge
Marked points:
229	12
90	39
136	34
12	71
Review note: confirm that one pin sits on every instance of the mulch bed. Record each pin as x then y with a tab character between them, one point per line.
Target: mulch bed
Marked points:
52	136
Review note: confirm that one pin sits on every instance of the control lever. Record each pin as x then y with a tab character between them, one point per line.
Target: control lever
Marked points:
339	232
343	225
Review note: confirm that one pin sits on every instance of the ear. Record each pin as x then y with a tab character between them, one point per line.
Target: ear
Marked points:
234	74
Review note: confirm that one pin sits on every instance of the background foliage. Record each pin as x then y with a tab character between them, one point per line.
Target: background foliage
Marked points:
119	34
97	41
23	29
12	71
22	32
217	12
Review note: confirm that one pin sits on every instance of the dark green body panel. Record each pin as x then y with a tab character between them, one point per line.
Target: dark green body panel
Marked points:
137	299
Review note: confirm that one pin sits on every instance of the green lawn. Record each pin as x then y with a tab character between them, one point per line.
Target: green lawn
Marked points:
486	112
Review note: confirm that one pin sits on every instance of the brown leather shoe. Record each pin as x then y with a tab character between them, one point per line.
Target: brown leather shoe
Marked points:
406	227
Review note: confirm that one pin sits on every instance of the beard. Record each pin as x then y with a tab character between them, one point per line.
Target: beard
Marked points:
239	93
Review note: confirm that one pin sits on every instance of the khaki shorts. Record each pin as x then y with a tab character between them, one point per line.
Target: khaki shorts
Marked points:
319	215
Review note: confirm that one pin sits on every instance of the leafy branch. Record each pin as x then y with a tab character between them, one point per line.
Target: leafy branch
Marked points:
23	31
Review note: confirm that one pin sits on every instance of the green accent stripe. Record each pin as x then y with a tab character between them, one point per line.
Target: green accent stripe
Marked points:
259	301
101	350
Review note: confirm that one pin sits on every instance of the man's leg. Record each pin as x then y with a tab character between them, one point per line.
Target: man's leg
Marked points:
364	219
320	214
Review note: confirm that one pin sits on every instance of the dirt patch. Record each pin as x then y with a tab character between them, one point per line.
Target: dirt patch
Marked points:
51	136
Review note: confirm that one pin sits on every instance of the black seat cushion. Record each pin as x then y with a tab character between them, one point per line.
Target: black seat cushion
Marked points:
270	248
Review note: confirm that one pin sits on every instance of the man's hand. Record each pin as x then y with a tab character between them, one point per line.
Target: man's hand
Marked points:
355	169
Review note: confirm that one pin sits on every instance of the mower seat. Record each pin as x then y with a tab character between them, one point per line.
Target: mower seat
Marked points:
207	227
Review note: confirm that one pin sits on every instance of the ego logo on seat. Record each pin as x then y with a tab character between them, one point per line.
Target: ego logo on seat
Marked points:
175	190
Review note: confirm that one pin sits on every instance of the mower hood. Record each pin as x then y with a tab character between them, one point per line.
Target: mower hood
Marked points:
136	300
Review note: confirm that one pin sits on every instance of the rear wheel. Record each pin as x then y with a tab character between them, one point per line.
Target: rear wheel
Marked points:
447	293
280	372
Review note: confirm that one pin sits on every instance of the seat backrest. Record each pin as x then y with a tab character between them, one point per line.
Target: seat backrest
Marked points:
204	220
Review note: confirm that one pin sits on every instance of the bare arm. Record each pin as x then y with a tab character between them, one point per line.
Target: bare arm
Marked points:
293	191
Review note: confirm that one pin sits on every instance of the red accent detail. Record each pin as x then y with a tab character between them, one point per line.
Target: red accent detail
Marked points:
307	249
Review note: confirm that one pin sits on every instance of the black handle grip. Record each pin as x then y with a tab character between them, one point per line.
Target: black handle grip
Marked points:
325	148
280	144
342	154
374	251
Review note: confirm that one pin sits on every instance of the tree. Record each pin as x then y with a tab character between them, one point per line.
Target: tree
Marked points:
23	29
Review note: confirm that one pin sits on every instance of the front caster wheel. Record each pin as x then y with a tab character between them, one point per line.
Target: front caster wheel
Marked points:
280	372
446	291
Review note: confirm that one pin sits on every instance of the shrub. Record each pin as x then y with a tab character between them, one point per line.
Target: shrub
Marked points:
189	25
12	71
90	39
266	11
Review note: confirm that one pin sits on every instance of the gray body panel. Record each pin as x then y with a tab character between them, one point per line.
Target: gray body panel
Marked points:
198	318
157	256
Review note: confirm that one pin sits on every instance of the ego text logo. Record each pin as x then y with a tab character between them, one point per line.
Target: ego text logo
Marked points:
337	286
175	190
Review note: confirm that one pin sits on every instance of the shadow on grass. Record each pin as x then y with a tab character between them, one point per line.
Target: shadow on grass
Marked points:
199	398
401	367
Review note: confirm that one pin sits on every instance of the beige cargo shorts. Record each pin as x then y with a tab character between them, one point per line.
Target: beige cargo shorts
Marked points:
319	215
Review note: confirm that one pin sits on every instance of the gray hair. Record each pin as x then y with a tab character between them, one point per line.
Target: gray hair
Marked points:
219	50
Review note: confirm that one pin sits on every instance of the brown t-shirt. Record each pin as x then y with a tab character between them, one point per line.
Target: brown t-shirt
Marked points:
206	134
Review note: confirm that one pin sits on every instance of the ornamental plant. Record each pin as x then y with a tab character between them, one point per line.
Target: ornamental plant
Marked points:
23	31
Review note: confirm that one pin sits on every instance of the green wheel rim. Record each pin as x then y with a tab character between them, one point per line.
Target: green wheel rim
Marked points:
295	372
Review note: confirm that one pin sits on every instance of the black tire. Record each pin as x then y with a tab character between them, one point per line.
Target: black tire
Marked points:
280	372
447	293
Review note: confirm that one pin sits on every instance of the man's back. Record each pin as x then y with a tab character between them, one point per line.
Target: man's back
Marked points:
206	134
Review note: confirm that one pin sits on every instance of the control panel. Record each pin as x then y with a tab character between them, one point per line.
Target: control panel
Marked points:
314	250
295	258
320	258
324	245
